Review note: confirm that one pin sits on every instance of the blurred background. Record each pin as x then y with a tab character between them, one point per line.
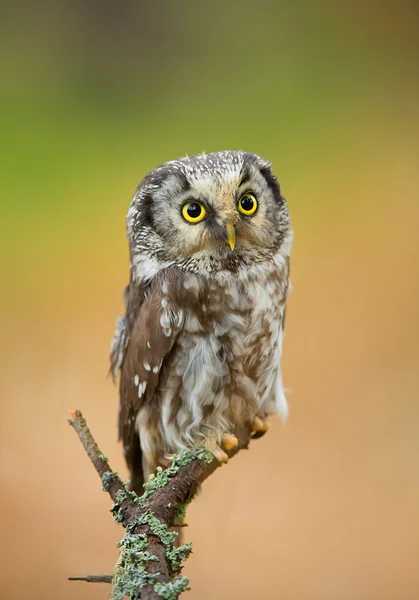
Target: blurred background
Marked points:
94	95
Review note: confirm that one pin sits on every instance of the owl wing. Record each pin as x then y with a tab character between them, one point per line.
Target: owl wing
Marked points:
142	341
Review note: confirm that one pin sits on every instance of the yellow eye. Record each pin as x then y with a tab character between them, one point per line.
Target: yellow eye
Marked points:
247	204
193	212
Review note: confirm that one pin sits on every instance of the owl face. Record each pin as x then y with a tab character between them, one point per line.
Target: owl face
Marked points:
212	207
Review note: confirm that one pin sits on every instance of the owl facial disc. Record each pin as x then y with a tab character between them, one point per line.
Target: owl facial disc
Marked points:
216	212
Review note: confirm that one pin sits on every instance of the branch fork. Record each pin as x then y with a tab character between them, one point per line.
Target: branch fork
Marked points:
150	562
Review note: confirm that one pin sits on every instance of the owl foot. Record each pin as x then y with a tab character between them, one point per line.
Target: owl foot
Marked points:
229	441
259	427
211	445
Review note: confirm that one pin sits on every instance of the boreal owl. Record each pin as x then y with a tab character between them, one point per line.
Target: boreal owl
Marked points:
200	343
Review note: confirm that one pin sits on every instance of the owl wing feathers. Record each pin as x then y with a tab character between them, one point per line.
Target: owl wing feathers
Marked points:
133	299
146	338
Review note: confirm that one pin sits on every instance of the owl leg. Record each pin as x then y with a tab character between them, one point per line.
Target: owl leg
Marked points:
211	445
259	427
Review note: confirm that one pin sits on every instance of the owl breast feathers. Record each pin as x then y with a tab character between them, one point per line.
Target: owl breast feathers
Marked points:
199	346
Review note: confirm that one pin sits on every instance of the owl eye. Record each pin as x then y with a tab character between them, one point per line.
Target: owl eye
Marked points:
193	212
247	204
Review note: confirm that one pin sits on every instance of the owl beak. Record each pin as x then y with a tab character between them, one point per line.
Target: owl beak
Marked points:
231	235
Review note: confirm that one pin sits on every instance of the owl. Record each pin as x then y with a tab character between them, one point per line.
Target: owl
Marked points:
199	346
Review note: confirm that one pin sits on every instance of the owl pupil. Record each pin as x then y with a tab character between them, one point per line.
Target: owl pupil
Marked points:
247	203
194	210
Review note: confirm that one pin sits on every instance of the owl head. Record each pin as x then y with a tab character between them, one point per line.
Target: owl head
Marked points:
210	210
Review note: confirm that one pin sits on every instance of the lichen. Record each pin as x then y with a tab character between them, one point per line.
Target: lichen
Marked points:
118	509
120	495
106	479
172	589
117	512
103	457
186	456
130	572
182	510
158	528
161	478
176	555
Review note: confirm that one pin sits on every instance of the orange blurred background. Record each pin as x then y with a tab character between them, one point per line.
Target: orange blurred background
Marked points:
94	96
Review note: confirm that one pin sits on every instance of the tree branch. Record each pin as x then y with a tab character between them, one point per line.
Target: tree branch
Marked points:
93	578
149	565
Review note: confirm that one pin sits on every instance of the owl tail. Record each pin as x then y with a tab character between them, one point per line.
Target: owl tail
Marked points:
136	468
137	482
141	465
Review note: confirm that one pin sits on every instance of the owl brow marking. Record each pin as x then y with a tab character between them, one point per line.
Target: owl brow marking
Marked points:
245	176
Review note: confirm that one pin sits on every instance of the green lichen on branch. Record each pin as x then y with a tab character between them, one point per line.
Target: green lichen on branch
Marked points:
117	509
162	478
182	510
186	456
121	495
130	573
172	589
176	555
117	512
108	477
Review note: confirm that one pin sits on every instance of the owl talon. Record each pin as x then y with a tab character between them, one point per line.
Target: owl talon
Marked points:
229	441
259	427
211	445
